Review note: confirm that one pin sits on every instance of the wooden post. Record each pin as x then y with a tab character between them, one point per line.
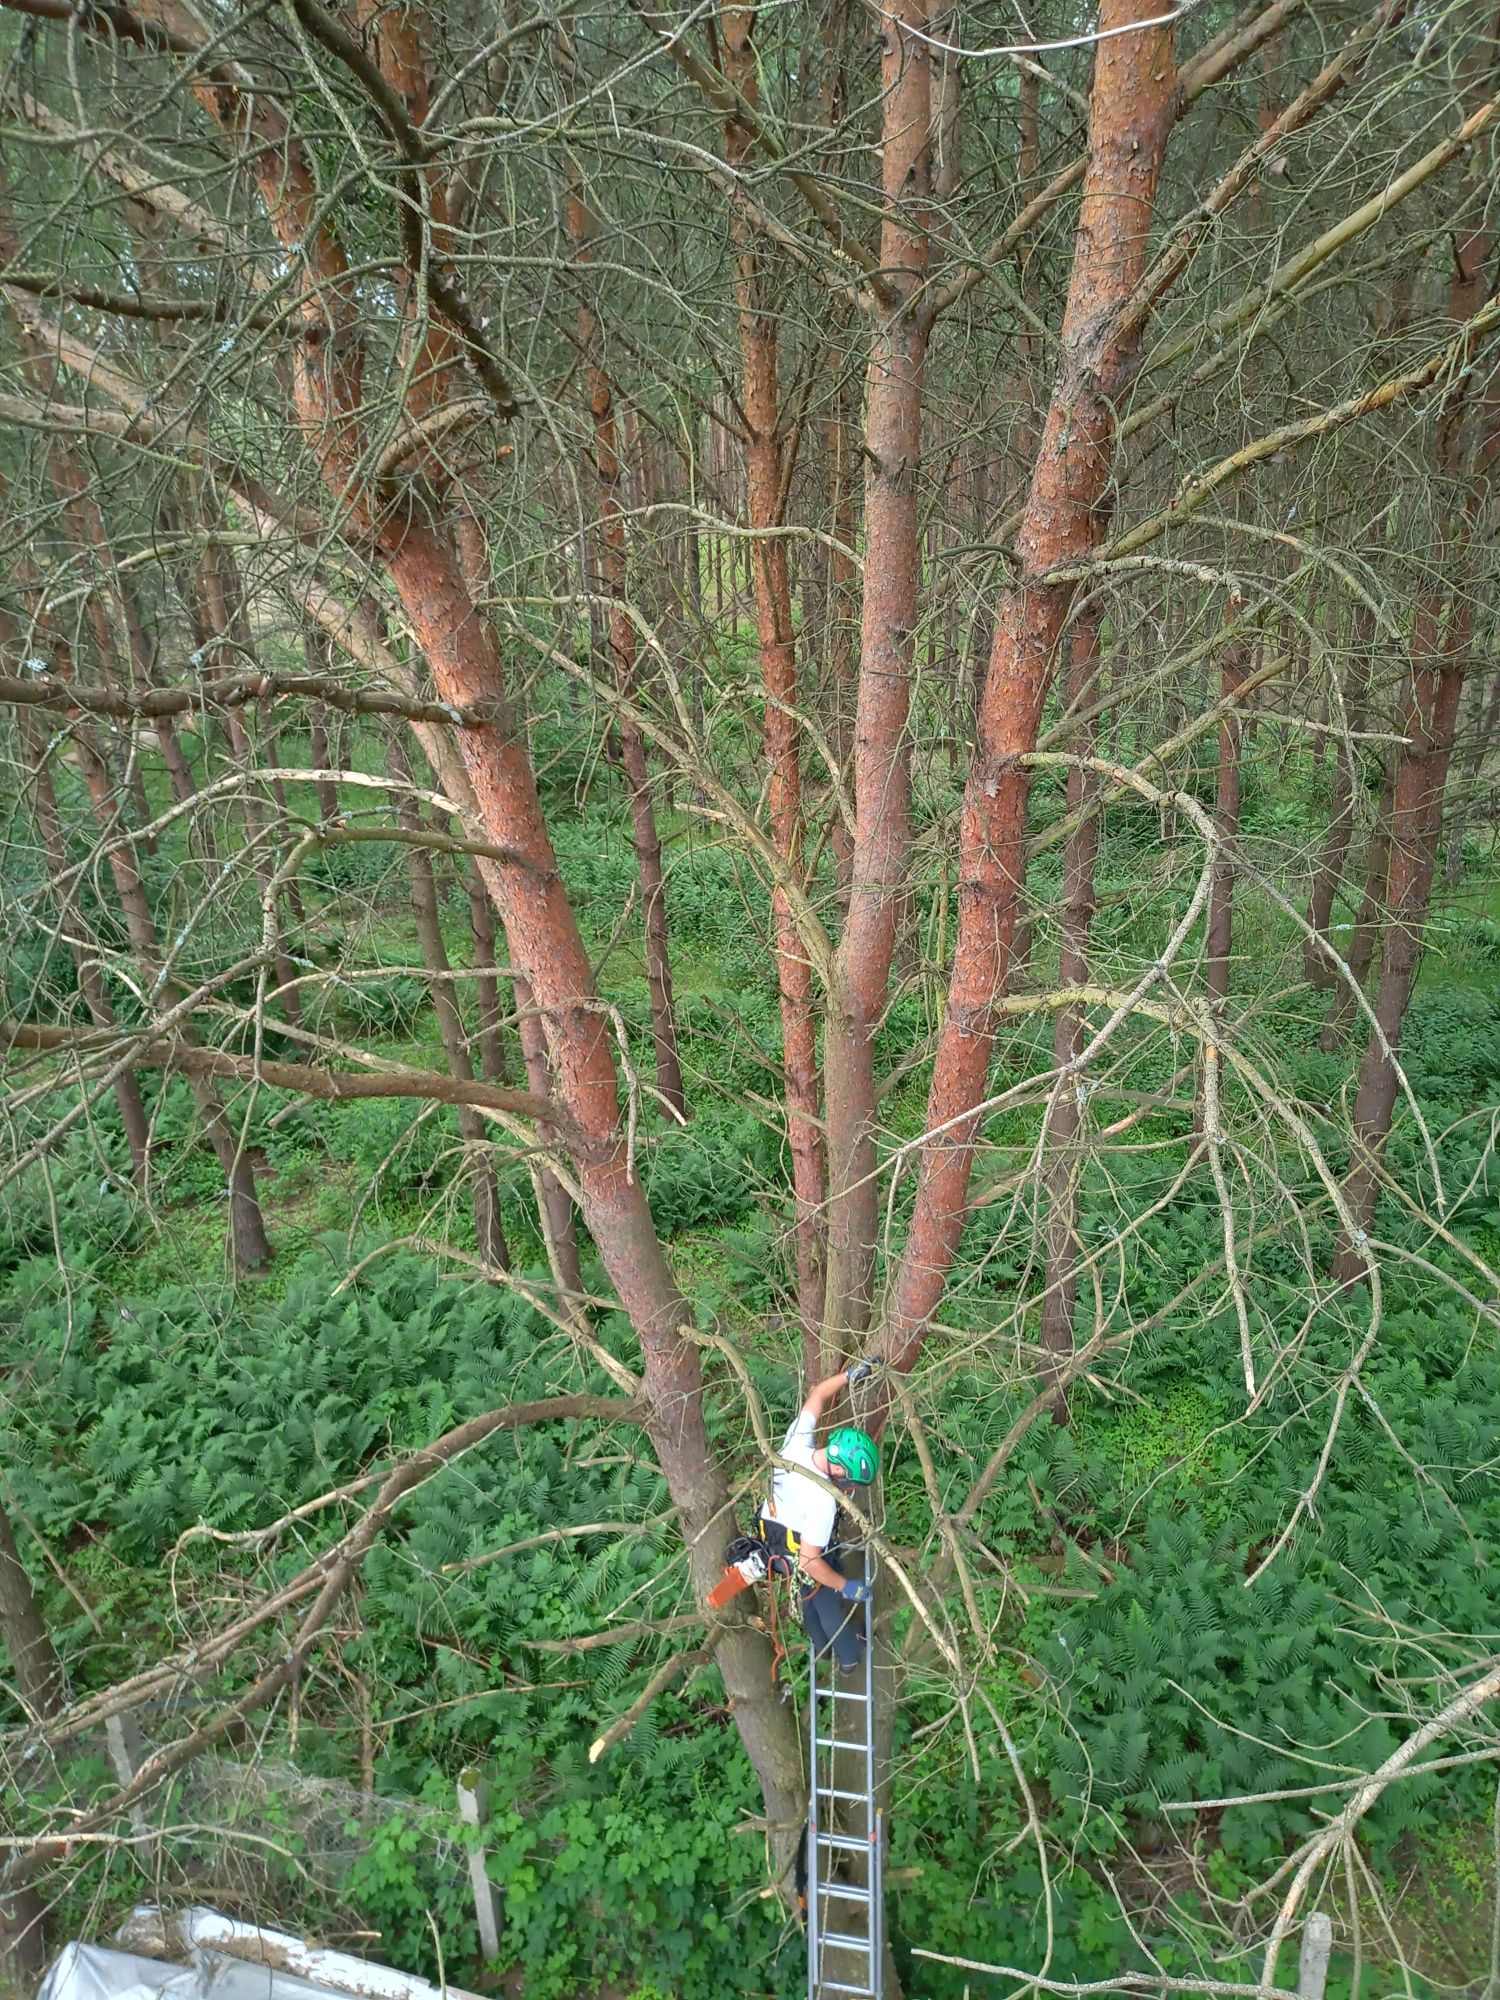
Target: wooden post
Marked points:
1317	1946
474	1810
126	1755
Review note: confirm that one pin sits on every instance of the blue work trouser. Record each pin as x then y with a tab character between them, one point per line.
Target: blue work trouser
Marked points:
831	1620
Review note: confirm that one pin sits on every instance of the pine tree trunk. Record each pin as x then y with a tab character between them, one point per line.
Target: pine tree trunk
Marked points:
490	1039
556	1215
1132	111
882	749
223	625
1416	826
1070	1031
127	1088
1343	809
250	1244
623	659
543	937
1219	942
1365	935
489	1229
755	292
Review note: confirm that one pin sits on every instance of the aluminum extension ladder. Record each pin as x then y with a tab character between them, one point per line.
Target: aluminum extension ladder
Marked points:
845	1835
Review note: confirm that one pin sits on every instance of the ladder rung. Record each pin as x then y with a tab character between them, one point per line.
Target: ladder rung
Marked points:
832	1792
842	1694
840	1743
858	1844
838	1986
843	1941
844	1889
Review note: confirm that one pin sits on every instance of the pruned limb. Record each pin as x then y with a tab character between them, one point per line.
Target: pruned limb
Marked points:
334	1086
660	1681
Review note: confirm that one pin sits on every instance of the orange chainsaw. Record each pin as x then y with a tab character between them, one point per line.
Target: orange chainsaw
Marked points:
746	1562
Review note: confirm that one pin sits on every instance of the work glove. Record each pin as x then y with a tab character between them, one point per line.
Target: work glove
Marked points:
857	1592
863	1370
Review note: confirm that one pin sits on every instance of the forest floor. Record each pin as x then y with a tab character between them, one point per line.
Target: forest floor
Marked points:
157	1395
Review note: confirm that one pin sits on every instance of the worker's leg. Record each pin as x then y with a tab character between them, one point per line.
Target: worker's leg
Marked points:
833	1621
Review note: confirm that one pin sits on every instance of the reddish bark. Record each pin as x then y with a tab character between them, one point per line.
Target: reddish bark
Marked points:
623	660
882	750
1133	105
489	1229
841	446
765	486
1070	1032
556	1214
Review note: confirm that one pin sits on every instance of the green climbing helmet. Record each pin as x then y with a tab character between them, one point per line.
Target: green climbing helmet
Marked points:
854	1455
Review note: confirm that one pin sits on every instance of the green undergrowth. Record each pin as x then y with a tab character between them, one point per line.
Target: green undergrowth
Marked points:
1161	1642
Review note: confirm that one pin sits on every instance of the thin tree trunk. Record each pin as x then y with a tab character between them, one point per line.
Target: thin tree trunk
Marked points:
223	623
1440	659
1070	1031
1219	941
556	1214
490	1039
1132	111
623	658
765	483
249	1242
251	1246
127	1088
319	652
1415	828
1487	712
1365	935
28	1644
882	747
489	1229
1316	968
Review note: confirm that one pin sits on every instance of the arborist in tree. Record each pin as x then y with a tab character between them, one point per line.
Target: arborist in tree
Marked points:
794	1534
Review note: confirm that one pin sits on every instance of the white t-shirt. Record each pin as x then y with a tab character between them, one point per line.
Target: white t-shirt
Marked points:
796	1503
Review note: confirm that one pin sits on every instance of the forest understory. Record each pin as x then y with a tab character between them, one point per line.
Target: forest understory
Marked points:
684	696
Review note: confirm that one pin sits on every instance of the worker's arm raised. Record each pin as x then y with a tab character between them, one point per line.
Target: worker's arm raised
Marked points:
823	1393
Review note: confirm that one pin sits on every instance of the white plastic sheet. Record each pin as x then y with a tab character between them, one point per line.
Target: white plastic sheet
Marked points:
226	1961
94	1972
